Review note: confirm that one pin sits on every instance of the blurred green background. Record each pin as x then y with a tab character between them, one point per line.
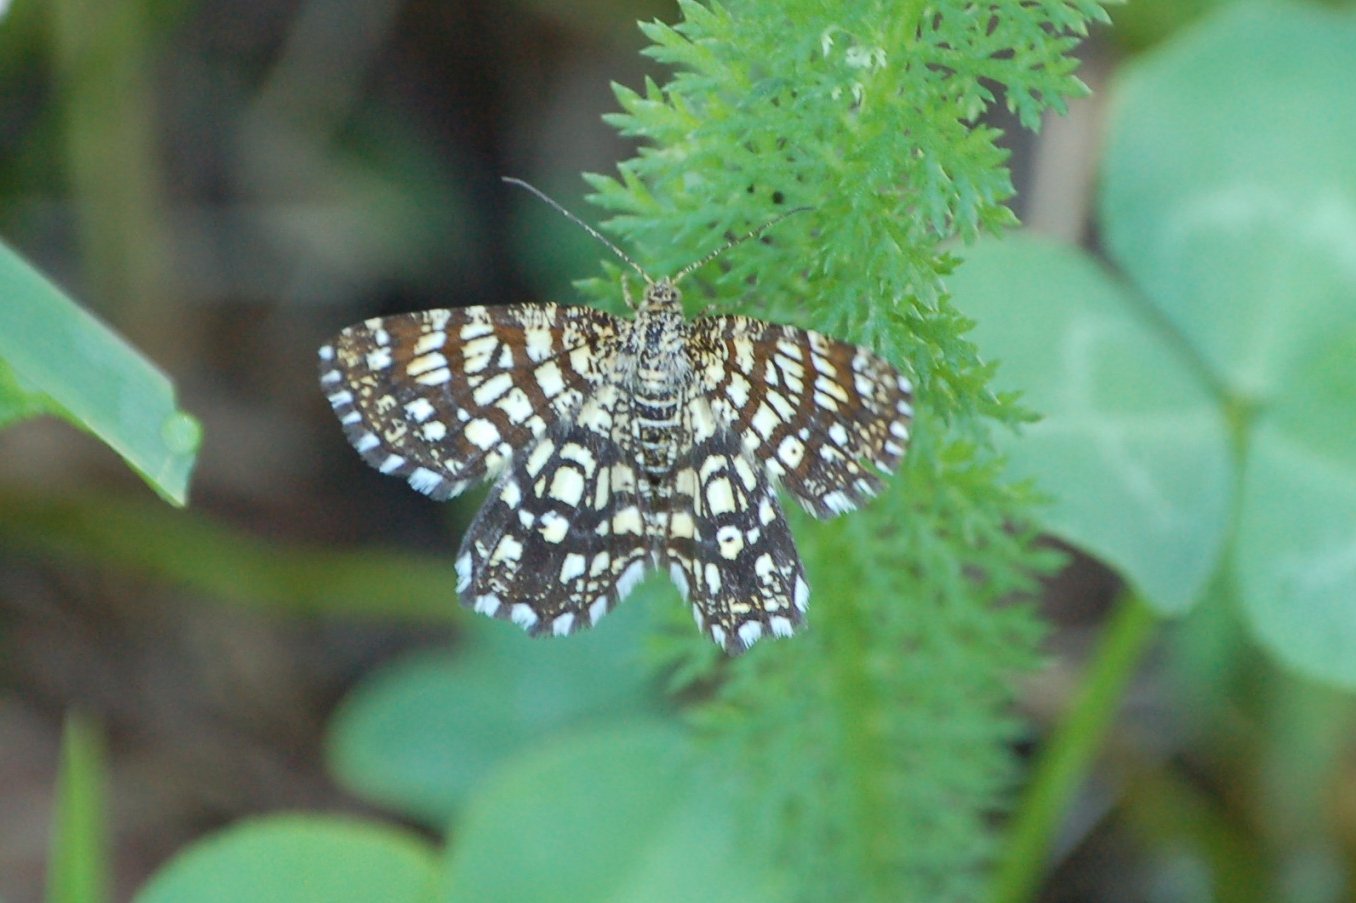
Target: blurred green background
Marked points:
228	184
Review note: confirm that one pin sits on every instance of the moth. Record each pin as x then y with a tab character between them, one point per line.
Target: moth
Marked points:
621	445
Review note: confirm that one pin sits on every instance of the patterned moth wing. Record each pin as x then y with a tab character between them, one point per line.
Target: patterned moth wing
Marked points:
521	395
444	397
729	547
562	537
812	410
786	407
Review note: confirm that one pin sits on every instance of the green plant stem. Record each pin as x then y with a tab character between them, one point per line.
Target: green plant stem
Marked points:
847	627
1069	752
78	866
137	536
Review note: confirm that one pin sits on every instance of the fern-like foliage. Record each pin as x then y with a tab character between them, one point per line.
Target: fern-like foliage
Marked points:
872	747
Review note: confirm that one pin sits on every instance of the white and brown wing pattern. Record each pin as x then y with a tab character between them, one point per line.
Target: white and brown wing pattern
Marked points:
617	445
443	398
524	395
812	410
729	547
562	537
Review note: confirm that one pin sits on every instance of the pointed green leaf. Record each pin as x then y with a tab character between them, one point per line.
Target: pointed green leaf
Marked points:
55	357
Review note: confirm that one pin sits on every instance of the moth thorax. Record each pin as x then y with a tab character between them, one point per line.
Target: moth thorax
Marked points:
662	297
660	342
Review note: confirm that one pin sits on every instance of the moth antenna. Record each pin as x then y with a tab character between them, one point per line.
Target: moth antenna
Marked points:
696	265
583	225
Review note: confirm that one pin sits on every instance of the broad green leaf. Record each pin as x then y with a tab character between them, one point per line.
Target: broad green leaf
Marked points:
1247	246
299	859
418	735
1131	449
79	871
57	358
627	815
1296	559
1230	186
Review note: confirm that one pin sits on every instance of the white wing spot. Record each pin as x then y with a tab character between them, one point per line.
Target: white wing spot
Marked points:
419	410
744	470
573	451
681	525
482	434
630	577
838	502
738	390
764	422
627	520
539	456
549	379
463	567
522	614
554	528
575	566
712	578
597	609
424	480
434	378
537	341
516	405
720	496
476	329
730	540
679	578
567	486
749	632
492	389
426	362
379	358
718	634
508	549
430	341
